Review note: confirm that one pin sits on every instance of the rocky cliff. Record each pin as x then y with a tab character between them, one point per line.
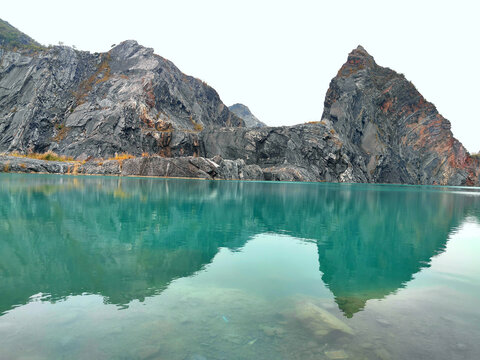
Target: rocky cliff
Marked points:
376	127
391	132
82	104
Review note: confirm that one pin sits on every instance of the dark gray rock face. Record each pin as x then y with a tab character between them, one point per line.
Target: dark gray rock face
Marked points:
309	152
185	167
375	127
243	112
390	131
81	104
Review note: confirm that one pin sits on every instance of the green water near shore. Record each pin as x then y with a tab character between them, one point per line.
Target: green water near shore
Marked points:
127	268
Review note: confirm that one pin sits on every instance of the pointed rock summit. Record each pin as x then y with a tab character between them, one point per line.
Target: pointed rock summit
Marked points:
358	59
392	133
376	127
246	115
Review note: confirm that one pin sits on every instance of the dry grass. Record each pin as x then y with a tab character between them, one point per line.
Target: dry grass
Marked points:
123	156
198	127
48	156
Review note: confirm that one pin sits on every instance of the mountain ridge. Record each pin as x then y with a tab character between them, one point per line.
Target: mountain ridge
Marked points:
244	112
376	127
11	37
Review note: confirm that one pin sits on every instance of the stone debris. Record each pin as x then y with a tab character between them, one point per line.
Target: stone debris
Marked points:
319	321
336	354
272	330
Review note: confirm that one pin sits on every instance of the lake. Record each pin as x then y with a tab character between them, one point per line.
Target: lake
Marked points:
140	268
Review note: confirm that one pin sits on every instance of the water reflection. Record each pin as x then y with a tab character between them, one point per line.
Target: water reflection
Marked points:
127	239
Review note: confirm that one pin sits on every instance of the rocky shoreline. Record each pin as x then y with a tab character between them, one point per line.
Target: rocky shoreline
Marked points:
184	167
375	128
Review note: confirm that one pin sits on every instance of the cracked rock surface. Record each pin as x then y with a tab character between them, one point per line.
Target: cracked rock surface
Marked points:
376	127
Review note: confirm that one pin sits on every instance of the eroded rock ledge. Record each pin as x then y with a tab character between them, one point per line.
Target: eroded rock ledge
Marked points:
186	167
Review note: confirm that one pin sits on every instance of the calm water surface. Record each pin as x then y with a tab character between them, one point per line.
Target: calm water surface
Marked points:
125	268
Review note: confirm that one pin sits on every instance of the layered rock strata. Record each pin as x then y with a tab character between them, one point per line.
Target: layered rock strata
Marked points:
376	127
81	104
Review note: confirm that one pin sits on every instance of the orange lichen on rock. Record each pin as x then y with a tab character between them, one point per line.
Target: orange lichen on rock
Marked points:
386	105
387	90
149	94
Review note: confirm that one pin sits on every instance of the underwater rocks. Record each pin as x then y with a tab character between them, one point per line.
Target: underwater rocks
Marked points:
319	321
336	354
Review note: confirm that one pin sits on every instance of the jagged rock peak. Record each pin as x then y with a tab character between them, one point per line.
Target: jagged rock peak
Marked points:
390	131
358	59
243	112
82	104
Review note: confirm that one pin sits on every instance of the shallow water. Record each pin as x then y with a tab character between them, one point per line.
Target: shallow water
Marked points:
125	268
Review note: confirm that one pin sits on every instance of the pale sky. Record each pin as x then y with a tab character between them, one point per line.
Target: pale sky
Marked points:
278	57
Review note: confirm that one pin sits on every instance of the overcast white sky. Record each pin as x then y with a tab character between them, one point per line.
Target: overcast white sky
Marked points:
278	57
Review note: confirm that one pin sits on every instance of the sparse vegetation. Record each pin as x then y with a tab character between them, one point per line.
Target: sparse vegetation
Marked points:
12	38
476	155
196	126
49	156
102	74
122	156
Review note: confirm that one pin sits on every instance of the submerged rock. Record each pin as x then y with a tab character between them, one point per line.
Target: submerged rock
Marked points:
336	354
272	330
319	321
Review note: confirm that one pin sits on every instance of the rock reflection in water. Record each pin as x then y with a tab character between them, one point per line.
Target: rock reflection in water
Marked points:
66	236
216	270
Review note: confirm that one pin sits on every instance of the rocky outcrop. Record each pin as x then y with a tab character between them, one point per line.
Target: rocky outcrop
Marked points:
390	131
82	104
309	152
185	167
376	127
243	112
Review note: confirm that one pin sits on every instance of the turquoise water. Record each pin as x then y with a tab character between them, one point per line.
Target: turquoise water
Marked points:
127	268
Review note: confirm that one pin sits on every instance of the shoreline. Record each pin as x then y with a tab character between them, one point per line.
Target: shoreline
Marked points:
192	168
